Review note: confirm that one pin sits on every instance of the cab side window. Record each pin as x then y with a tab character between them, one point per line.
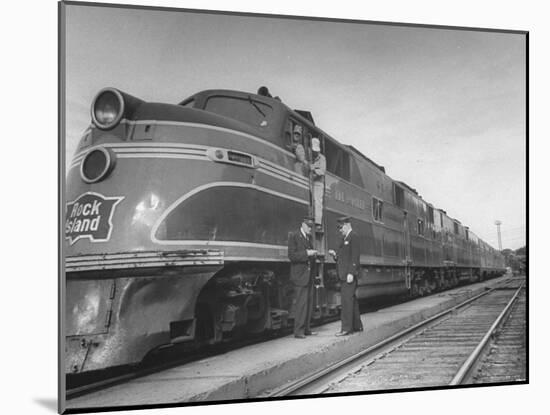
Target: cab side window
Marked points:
337	160
377	205
420	226
398	196
295	133
288	134
307	143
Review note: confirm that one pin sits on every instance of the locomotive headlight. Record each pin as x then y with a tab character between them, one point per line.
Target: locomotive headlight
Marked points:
107	108
96	165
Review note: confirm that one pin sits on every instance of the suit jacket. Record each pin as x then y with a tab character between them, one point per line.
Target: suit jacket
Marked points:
300	263
347	255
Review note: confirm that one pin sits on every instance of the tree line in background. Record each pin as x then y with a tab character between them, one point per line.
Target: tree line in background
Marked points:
517	260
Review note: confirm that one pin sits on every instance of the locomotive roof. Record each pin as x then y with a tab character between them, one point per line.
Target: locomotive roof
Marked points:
354	150
303	116
406	186
234	93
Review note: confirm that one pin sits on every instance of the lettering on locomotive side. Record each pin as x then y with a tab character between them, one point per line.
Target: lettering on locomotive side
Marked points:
356	202
90	216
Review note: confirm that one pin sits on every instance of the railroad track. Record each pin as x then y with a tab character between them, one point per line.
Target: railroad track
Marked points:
505	359
83	386
442	350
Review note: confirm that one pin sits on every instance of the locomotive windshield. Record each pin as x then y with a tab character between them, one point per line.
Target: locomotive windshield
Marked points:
247	110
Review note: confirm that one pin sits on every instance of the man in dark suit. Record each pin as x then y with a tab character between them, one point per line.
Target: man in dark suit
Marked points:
348	268
302	263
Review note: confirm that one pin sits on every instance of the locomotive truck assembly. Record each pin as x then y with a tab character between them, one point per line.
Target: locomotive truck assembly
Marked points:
177	219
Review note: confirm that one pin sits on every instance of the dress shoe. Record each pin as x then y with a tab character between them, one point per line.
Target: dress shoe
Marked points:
311	333
299	336
343	333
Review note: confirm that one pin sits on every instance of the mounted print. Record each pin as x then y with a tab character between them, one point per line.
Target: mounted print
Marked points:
260	206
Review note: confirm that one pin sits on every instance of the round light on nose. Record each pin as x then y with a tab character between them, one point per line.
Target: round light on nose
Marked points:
96	165
107	108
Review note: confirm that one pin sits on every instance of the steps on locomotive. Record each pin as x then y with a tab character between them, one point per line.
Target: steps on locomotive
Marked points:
320	246
319	239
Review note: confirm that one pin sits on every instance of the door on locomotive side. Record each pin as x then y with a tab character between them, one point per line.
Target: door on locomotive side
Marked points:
299	134
318	235
399	200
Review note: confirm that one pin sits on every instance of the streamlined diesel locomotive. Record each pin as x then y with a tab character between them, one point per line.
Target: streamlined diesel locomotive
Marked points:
177	219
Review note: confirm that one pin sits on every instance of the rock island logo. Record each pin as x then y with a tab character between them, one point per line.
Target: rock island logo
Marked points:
89	216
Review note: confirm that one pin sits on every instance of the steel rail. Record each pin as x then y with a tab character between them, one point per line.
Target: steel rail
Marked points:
317	377
91	387
474	356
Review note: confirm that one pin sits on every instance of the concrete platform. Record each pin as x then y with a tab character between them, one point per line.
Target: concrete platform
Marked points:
249	371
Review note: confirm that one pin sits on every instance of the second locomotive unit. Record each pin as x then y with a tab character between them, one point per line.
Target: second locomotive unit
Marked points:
177	220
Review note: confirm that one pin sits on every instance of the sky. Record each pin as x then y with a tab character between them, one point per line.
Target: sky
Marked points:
442	110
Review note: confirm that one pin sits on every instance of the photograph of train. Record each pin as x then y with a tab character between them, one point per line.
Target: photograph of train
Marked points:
197	145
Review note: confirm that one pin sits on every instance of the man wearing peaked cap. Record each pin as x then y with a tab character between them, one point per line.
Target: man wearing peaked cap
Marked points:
342	220
348	268
302	257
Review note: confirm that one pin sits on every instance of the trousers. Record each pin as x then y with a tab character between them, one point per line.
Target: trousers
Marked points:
351	318
303	306
318	190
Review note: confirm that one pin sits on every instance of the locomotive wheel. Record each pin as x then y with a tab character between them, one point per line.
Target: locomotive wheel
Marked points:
414	290
204	329
257	310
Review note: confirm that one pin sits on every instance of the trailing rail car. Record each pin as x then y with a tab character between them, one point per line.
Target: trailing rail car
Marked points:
177	220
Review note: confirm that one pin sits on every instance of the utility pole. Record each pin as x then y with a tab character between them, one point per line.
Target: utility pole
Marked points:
498	223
